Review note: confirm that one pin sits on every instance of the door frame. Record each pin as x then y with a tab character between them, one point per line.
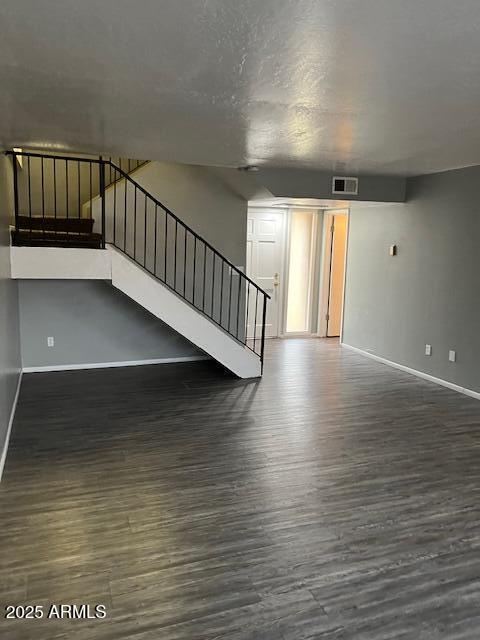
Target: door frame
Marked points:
319	289
326	254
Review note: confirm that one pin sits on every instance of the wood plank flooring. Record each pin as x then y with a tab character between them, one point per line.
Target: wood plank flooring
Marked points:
334	499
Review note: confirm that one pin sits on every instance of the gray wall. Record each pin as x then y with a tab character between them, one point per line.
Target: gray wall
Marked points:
298	183
91	322
428	293
10	362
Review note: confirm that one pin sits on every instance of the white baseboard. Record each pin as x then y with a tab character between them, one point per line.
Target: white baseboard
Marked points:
415	372
108	365
10	423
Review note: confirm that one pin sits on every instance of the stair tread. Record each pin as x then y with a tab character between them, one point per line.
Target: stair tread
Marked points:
50	223
37	216
38	233
39	238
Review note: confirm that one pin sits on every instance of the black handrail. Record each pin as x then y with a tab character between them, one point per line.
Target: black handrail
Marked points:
145	229
189	229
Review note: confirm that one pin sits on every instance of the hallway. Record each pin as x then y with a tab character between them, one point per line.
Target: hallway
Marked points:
335	498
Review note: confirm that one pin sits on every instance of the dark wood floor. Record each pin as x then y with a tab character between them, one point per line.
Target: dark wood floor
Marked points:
335	499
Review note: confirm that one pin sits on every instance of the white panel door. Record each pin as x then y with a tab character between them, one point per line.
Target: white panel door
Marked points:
264	267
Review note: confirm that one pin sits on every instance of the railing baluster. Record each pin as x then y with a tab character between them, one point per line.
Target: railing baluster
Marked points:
66	198
155	245
264	322
230	301
29	198
194	268
54	194
248	304
135	224
166	246
145	234
78	178
222	264
238	303
212	311
125	221
255	323
114	207
184	261
91	191
204	274
43	200
102	198
175	258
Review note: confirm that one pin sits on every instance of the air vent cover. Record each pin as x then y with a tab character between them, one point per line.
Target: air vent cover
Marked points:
345	186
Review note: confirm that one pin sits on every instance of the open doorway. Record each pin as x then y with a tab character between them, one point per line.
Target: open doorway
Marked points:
301	253
296	253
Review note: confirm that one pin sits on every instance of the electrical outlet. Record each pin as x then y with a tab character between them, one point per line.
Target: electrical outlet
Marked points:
428	349
50	341
452	356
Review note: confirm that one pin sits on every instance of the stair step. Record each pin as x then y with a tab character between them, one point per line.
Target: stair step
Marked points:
56	239
49	223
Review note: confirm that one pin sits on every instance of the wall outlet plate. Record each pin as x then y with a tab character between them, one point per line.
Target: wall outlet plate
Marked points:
428	349
50	341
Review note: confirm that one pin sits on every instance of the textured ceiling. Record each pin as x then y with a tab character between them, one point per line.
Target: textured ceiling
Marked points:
379	86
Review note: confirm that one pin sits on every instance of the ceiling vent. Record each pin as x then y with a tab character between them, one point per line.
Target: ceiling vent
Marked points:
344	186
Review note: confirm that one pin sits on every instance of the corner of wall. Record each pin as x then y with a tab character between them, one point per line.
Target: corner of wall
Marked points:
10	352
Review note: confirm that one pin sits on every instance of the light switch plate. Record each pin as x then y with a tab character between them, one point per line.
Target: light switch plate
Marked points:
452	356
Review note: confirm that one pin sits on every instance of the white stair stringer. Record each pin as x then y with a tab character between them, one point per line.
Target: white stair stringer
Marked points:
159	300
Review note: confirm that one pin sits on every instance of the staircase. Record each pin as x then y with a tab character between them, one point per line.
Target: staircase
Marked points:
64	204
